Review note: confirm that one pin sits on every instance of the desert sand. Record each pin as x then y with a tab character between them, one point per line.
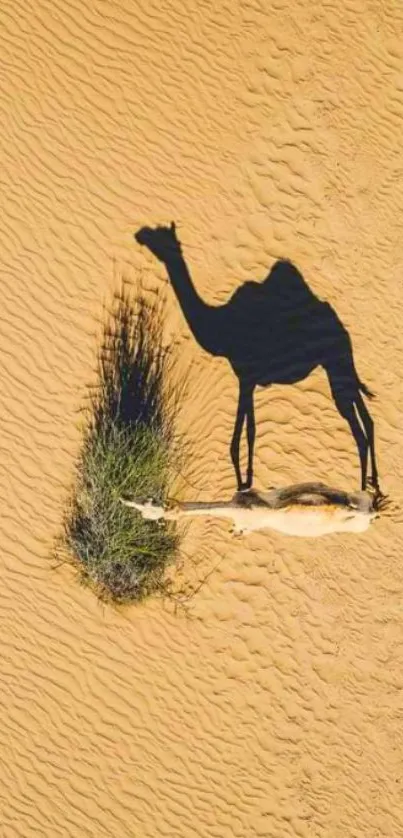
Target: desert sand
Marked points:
265	131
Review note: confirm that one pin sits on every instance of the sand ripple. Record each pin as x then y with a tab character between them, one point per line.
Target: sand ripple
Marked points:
264	131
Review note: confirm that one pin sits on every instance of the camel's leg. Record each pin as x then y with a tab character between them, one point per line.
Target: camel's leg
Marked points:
245	399
346	409
368	424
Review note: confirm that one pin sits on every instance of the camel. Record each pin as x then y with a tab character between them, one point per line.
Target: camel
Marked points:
305	509
272	332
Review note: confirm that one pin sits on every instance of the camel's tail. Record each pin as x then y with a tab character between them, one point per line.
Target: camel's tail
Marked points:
381	503
364	389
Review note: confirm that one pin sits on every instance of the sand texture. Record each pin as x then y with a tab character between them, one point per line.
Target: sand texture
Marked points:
265	131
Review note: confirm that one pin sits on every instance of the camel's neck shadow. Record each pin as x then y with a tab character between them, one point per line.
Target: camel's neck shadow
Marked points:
272	332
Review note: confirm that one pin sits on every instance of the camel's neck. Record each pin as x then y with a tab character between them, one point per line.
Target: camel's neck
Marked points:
203	320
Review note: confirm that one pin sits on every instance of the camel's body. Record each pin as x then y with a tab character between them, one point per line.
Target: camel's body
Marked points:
305	509
272	332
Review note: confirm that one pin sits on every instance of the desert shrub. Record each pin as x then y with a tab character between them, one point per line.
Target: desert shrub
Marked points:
129	450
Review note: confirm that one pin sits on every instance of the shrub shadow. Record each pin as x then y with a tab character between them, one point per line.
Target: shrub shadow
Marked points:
132	368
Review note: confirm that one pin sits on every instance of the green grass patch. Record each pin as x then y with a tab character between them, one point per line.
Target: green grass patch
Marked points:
129	450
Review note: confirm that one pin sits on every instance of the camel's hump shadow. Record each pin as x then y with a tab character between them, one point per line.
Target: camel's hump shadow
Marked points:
278	330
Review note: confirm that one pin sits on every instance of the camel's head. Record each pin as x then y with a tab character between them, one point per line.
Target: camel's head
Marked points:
162	241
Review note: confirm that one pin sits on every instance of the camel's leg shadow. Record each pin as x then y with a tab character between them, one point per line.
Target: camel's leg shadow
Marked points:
245	412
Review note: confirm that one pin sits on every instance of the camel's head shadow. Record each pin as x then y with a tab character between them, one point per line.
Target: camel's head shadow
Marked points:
161	241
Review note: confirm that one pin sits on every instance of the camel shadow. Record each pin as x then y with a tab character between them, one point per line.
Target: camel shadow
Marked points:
272	332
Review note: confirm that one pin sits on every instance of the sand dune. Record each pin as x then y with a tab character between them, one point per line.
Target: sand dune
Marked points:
265	131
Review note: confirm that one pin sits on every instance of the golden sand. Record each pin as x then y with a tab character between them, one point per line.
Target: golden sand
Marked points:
264	130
